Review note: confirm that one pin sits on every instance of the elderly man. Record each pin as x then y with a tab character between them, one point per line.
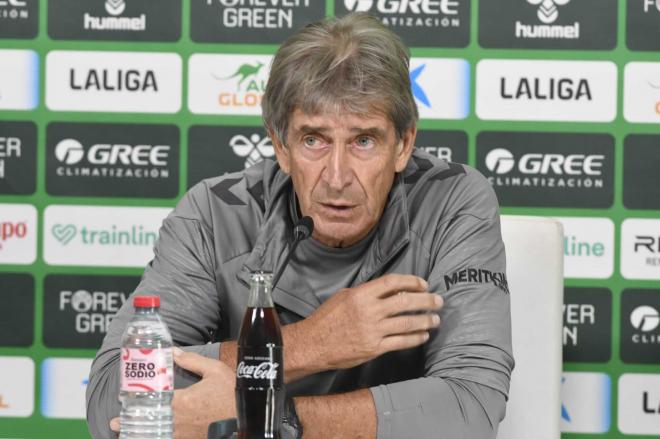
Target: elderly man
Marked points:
361	360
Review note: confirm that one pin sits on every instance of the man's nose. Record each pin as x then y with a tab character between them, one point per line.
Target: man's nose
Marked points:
338	172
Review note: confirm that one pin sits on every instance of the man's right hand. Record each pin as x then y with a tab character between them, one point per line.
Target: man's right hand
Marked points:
358	324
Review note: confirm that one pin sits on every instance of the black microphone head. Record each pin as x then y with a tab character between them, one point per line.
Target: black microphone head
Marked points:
304	228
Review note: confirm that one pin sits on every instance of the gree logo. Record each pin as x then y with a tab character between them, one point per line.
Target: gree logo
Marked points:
358	5
64	233
548	12
434	7
500	161
254	149
115	7
69	151
645	318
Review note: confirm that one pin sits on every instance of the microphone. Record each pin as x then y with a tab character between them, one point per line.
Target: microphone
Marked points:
301	231
303	228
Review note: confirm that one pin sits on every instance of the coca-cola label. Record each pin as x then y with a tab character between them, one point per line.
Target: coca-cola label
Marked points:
260	367
146	370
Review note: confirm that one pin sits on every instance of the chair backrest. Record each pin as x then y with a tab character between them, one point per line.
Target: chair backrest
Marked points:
534	254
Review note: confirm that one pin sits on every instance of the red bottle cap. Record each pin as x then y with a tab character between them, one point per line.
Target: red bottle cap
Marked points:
146	301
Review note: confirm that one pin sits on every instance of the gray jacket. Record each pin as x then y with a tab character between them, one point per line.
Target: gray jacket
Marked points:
441	223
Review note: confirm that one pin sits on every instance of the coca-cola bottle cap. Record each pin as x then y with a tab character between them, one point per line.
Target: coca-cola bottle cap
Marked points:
146	301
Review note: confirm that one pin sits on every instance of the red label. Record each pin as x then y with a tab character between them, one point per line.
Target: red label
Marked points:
146	370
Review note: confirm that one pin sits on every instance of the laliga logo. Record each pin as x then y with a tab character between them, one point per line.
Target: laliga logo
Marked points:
548	11
645	318
255	148
115	7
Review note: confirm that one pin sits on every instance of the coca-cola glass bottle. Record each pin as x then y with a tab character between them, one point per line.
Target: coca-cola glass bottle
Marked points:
260	366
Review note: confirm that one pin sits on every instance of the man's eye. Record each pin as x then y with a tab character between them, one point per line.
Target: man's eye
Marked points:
311	142
364	142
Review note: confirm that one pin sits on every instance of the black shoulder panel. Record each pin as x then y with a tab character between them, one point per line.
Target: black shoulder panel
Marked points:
454	169
221	190
257	192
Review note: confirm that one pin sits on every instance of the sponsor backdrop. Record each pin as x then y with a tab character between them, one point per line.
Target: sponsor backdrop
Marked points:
111	109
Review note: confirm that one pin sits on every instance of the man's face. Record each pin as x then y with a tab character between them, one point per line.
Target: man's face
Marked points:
342	167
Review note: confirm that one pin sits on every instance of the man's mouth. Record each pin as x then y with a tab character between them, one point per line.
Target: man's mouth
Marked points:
338	208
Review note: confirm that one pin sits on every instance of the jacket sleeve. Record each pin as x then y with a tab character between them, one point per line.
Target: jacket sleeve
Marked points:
182	274
468	359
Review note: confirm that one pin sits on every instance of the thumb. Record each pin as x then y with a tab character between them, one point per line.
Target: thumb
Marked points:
193	362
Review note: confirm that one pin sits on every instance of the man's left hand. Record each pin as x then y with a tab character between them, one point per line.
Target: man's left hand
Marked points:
209	400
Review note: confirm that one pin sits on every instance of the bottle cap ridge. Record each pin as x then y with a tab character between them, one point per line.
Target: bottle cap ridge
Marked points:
146	301
261	276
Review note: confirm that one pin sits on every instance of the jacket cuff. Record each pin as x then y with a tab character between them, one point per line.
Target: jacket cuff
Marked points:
384	410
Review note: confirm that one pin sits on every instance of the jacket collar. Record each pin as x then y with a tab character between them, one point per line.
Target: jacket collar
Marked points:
276	232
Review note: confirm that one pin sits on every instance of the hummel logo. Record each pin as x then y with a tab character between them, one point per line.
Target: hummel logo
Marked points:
115	7
548	11
255	148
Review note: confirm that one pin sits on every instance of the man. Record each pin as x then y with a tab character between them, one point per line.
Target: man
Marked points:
397	233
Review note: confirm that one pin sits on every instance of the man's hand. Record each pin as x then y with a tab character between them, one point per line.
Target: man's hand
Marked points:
209	400
358	324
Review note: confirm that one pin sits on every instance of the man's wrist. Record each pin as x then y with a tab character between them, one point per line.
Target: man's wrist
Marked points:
302	352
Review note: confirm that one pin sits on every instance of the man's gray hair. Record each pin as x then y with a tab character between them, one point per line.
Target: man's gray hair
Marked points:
352	64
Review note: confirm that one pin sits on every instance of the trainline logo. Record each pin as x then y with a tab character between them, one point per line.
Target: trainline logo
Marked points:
136	235
101	236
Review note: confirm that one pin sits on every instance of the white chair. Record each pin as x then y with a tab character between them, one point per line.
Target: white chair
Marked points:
534	256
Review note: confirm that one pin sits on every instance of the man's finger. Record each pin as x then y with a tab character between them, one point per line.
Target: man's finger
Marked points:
409	324
407	341
114	424
393	283
193	362
411	302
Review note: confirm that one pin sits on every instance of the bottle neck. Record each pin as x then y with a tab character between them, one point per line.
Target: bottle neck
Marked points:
146	310
260	294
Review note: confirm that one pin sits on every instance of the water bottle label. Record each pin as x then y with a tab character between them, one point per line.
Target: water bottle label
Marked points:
146	370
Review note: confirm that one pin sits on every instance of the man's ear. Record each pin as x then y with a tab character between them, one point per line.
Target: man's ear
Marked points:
405	148
281	152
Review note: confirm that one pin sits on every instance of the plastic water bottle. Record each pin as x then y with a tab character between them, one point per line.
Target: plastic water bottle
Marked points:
147	374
